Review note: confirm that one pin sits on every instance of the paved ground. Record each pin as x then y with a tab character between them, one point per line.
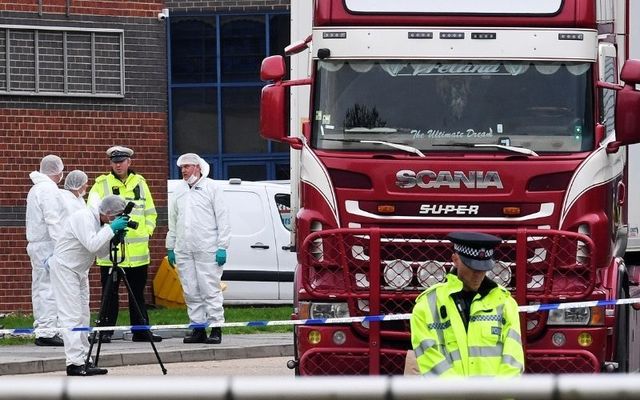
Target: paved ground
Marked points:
30	359
269	366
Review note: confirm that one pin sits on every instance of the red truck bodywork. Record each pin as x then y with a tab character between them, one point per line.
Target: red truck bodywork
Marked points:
372	217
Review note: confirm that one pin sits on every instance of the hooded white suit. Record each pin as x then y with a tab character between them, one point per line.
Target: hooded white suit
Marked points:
71	202
45	214
198	226
81	240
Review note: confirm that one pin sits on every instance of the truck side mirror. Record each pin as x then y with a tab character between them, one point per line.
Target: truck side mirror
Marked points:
274	116
628	104
274	104
273	112
273	68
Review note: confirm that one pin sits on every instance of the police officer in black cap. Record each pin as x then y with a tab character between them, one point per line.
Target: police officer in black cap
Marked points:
468	325
132	187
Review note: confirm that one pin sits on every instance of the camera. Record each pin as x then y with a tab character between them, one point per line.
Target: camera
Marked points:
119	236
163	15
127	210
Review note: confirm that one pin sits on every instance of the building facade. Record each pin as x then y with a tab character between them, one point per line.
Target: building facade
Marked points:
78	76
215	52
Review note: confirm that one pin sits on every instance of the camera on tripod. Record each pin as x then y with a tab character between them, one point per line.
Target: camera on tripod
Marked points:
115	273
119	237
127	210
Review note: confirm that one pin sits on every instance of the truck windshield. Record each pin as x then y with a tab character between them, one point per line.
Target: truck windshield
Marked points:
545	107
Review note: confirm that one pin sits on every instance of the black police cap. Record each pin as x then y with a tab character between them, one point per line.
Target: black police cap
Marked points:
476	249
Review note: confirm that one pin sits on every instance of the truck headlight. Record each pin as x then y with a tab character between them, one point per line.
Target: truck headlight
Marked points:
430	273
398	274
500	274
323	310
577	316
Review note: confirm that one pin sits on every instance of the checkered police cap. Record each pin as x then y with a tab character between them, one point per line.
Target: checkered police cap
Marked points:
475	249
119	153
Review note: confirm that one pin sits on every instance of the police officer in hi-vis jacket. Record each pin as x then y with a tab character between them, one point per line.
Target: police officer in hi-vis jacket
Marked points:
468	325
132	187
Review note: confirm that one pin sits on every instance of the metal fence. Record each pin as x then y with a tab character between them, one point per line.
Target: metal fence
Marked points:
382	271
553	387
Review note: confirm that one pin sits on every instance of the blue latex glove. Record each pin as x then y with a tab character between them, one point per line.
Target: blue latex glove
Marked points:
221	257
119	224
171	256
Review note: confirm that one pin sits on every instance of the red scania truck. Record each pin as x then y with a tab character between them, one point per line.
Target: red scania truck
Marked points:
409	119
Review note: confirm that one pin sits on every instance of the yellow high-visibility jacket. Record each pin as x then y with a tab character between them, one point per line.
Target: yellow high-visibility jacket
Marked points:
491	346
135	189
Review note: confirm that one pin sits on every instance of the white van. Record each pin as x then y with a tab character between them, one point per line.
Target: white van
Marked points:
259	266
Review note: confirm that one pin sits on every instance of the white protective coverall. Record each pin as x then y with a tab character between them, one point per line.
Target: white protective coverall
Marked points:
44	218
81	240
198	226
72	202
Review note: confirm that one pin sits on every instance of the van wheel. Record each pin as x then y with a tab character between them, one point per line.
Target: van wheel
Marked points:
622	333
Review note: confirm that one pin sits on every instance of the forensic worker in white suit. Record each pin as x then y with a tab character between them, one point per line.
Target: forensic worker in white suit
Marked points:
44	218
75	187
85	234
197	243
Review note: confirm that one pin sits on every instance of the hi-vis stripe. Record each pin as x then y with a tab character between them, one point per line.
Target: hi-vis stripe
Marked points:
447	362
317	321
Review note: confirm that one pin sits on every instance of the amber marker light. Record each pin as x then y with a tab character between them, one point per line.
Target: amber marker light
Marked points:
511	211
585	339
314	337
597	316
386	208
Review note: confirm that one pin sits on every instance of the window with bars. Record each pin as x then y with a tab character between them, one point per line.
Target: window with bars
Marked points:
61	61
214	92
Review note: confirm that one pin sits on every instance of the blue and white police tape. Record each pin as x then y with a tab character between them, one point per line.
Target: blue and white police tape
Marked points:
576	304
312	321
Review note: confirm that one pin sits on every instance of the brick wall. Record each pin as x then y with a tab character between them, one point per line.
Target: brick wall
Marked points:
80	138
80	129
76	8
195	6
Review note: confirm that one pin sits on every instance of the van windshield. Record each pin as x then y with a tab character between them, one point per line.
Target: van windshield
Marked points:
453	105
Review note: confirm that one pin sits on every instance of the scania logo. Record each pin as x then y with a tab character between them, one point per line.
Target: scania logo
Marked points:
428	179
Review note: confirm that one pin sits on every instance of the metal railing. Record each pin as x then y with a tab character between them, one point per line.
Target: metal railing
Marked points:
382	270
533	387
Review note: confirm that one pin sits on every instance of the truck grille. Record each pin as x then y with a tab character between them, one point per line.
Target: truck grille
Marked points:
550	362
382	271
356	362
393	265
350	362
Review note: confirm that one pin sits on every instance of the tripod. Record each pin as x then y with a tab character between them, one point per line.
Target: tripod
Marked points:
116	272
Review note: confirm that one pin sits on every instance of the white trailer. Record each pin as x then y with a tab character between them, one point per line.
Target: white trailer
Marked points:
633	184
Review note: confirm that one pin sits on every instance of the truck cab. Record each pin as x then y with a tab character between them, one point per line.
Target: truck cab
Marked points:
423	118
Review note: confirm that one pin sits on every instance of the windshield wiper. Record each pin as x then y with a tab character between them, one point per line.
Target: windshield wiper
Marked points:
378	129
513	149
399	146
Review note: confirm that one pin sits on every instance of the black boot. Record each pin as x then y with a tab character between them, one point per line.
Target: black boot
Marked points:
52	341
215	337
197	335
84	370
144	337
